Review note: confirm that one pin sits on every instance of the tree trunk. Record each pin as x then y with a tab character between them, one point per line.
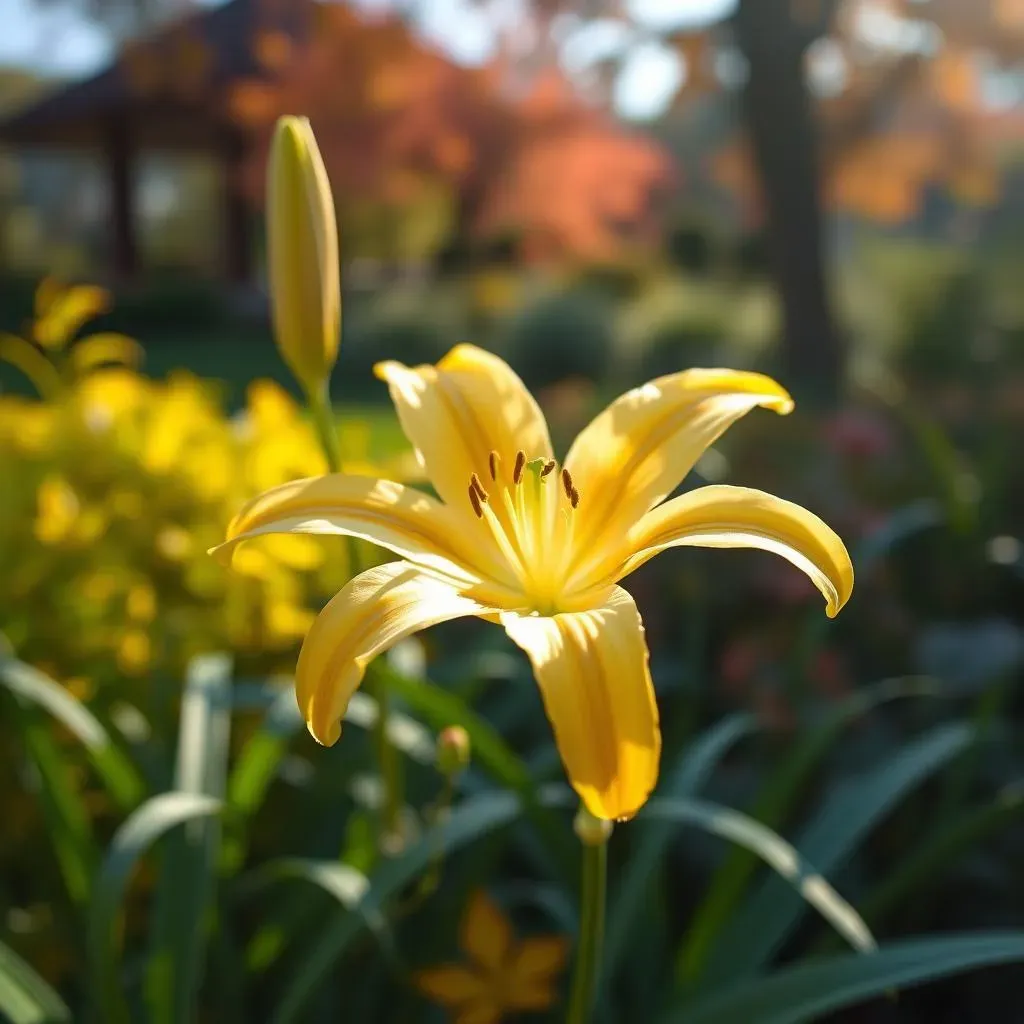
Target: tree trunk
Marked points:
780	121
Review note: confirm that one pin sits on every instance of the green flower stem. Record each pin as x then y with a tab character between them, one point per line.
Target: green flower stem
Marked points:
323	419
594	838
387	757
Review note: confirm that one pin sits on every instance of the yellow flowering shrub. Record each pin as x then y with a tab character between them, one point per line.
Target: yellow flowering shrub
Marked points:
114	490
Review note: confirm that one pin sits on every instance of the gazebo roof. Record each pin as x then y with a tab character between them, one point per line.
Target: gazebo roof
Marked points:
167	88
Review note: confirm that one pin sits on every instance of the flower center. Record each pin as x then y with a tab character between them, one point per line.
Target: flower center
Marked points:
531	518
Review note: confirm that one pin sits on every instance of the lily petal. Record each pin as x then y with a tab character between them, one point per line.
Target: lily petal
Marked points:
741	517
401	519
456	413
451	985
637	451
482	1011
540	958
366	617
593	675
485	934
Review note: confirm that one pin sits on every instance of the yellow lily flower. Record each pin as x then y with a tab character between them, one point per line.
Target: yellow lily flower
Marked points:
503	976
539	549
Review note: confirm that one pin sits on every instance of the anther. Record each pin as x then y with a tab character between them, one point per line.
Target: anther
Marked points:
574	497
517	473
567	483
492	463
548	468
475	485
474	500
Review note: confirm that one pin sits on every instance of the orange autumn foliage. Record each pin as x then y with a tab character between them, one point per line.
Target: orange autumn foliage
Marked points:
395	119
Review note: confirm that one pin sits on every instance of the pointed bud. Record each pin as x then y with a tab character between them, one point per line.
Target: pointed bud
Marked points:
453	750
302	253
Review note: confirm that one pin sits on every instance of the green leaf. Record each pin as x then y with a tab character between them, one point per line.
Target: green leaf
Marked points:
62	806
467	822
115	769
183	902
776	798
344	883
440	708
260	758
254	771
131	841
758	931
903	523
638	874
811	990
942	847
25	998
779	855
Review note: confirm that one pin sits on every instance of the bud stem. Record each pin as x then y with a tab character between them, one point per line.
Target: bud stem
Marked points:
591	938
375	683
323	420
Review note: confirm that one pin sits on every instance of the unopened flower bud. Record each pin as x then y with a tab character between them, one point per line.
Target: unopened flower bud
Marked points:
302	252
590	830
453	750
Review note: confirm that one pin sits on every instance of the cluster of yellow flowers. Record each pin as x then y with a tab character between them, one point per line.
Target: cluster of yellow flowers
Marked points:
116	485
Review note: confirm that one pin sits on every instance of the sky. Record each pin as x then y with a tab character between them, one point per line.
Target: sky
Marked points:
57	43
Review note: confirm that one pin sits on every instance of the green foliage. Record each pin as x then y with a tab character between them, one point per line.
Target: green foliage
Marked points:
563	335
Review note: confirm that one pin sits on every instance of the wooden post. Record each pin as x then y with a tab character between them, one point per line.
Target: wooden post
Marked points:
236	243
121	179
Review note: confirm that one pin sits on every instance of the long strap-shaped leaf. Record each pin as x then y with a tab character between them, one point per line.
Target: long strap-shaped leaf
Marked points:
638	874
470	820
119	775
146	825
790	867
185	886
807	992
762	925
25	998
777	796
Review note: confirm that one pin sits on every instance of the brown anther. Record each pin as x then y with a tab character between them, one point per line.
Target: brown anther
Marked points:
567	483
474	483
574	498
492	463
549	468
474	500
517	473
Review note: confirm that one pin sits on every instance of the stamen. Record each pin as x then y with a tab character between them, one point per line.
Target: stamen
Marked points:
574	497
548	468
567	483
492	462
474	500
517	473
474	483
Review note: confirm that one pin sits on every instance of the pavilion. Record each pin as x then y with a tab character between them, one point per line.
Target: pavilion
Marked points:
166	91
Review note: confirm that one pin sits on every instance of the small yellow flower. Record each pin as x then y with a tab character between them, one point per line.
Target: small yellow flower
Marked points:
57	509
61	312
302	249
503	976
516	539
134	652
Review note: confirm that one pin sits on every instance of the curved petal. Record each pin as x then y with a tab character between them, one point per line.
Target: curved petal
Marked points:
366	617
741	517
401	519
592	670
451	985
456	413
485	934
481	1011
540	958
637	451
